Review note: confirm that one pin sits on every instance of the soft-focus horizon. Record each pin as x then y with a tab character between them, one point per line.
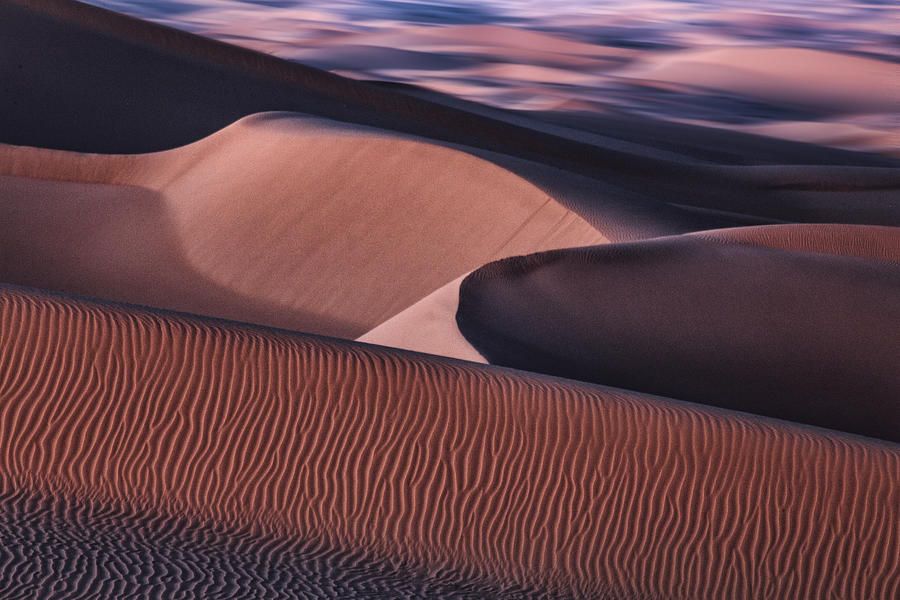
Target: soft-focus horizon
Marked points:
799	70
855	26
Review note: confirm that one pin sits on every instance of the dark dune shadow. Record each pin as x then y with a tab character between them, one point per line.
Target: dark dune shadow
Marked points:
802	336
710	144
65	548
119	243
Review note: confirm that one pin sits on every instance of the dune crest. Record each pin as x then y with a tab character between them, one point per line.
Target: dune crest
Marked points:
427	326
793	321
271	221
521	479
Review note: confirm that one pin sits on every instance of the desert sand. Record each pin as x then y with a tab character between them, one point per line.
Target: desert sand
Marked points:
794	322
271	221
428	326
507	478
183	221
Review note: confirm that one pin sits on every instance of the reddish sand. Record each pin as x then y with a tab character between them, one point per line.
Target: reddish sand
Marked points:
520	478
357	213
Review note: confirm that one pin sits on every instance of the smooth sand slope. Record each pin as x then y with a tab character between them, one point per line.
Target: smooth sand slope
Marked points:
167	88
167	421
795	322
427	326
300	223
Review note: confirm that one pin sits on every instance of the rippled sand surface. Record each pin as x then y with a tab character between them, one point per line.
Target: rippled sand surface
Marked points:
739	291
366	463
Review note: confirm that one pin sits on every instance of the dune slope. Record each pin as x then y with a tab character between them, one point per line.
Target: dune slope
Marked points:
451	467
795	322
300	223
167	88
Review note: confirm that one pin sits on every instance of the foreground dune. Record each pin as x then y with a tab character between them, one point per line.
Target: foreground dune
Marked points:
276	442
794	322
272	220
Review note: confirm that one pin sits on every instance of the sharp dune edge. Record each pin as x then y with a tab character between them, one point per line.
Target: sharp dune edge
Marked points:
427	326
791	321
340	206
439	463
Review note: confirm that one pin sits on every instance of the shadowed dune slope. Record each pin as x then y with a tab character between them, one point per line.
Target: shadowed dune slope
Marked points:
271	221
795	322
515	478
879	243
167	88
69	549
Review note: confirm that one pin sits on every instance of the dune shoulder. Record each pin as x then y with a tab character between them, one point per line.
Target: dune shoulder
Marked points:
787	321
272	220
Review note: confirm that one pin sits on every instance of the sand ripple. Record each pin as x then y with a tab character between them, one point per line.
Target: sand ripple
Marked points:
510	477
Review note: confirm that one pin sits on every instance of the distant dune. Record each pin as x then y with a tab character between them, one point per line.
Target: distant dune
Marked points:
168	88
347	451
789	69
794	322
789	77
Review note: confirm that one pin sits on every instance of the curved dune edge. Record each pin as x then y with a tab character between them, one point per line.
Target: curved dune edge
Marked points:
343	208
869	241
428	326
189	87
787	321
575	488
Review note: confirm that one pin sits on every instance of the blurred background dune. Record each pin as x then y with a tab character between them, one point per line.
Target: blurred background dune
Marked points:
825	73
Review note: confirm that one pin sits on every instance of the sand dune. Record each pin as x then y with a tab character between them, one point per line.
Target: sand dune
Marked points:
169	88
427	326
140	554
790	322
879	243
145	452
271	221
793	70
784	76
265	439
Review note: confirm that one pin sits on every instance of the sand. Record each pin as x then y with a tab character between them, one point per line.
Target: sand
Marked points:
428	326
168	88
509	478
271	221
793	322
790	70
753	284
